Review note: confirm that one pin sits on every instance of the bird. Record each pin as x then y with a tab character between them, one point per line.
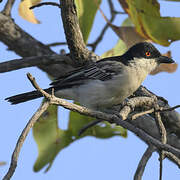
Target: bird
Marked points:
106	82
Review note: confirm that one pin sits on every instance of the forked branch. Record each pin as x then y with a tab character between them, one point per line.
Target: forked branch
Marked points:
173	153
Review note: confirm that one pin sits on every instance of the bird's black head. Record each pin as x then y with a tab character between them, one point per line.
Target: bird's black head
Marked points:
147	51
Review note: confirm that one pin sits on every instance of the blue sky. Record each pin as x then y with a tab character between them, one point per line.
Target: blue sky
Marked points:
89	158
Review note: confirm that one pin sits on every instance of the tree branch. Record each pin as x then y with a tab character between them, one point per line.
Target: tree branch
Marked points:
51	99
168	109
26	46
78	51
142	163
7	8
135	116
44	60
171	119
163	135
134	102
22	138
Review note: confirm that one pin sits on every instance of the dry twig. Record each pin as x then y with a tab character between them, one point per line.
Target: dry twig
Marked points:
172	157
7	8
22	138
163	136
51	99
142	163
45	4
135	116
161	109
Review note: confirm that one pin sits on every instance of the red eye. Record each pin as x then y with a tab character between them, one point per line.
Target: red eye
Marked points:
148	53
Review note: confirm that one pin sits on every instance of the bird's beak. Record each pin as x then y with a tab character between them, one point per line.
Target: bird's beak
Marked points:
165	59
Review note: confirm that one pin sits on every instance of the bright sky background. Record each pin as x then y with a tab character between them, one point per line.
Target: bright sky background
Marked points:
89	158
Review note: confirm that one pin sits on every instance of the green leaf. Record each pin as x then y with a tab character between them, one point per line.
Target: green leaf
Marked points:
117	50
51	139
127	22
146	17
86	12
102	130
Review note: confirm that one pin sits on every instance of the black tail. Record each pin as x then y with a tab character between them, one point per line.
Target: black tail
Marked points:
26	96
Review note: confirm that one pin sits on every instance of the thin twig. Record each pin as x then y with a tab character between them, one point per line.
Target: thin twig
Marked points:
45	4
22	138
161	157
36	86
62	43
56	44
89	125
168	109
142	163
7	8
163	136
135	116
172	157
119	12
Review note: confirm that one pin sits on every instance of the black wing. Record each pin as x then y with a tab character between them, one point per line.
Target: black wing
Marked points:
103	70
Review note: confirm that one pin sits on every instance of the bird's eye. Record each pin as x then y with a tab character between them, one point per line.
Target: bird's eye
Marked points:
148	54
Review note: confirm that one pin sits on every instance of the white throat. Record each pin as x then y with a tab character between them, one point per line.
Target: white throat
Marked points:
144	65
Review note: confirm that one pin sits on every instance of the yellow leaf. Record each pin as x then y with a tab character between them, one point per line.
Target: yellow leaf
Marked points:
146	17
26	13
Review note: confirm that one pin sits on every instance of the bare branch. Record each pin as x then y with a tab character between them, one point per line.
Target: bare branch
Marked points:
77	47
114	119
171	119
134	102
22	138
168	109
142	163
119	12
7	8
135	116
63	43
163	136
45	4
56	44
172	157
26	46
33	61
35	85
160	126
